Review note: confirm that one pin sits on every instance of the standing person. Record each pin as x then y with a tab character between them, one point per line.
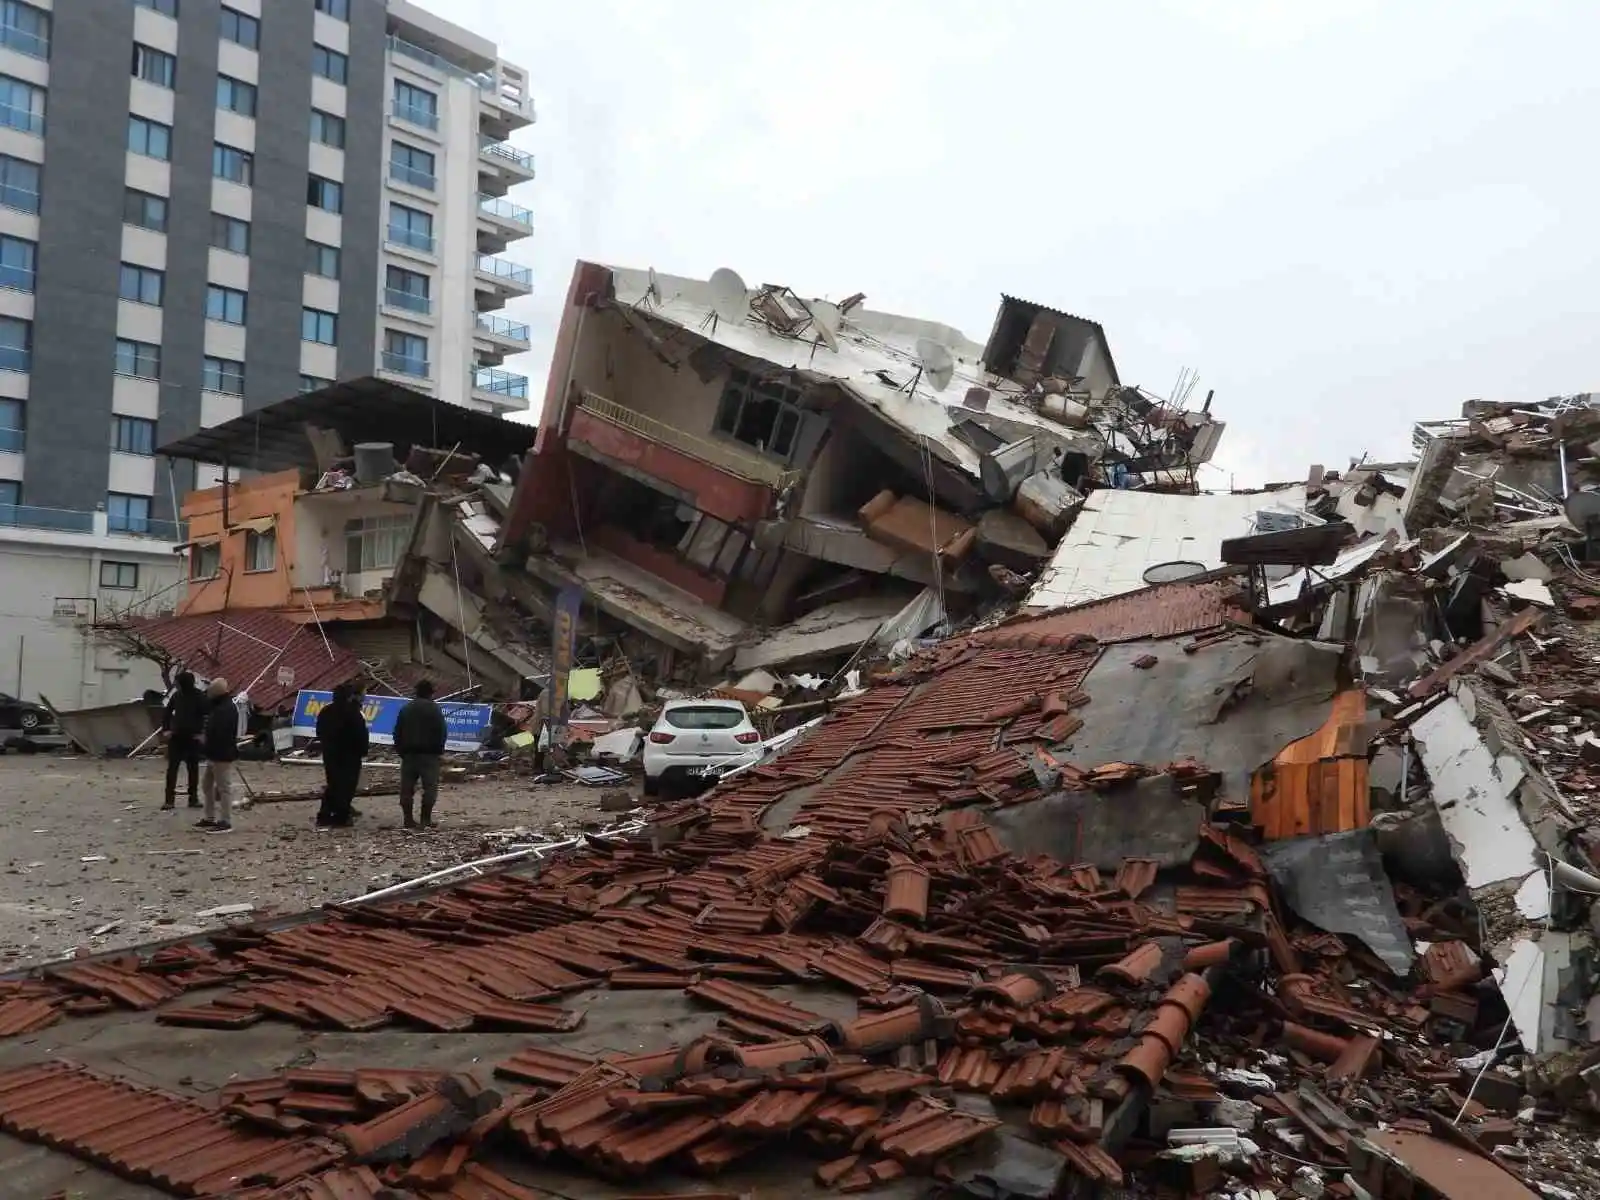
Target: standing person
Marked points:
419	737
182	723
220	740
342	730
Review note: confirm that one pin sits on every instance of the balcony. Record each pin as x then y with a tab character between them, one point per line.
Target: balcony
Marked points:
503	156
502	275
412	239
727	481
24	41
503	213
411	176
406	364
411	114
505	385
71	520
407	301
493	326
14	441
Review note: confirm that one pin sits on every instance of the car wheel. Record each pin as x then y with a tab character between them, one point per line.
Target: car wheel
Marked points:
652	787
31	720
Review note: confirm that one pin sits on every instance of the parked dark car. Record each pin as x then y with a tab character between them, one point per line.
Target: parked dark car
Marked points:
19	714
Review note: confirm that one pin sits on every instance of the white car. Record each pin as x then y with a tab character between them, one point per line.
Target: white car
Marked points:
692	735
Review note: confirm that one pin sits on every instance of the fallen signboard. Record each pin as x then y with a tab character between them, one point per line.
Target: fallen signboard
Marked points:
465	723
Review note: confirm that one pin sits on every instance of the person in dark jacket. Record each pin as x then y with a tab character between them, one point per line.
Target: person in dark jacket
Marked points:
182	723
419	737
220	743
342	730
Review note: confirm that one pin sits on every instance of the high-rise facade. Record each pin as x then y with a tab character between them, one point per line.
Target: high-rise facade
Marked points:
208	205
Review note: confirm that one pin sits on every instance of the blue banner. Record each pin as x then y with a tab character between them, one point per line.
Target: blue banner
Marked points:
563	652
464	723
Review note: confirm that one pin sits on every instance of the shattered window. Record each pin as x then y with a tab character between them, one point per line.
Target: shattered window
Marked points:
760	412
205	562
376	543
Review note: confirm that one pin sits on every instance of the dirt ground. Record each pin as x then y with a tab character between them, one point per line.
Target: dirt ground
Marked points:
87	859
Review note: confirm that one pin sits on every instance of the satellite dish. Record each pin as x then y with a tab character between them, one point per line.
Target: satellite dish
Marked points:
1171	572
729	298
937	363
653	292
825	318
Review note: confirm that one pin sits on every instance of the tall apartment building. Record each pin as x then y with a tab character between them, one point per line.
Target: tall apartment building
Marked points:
205	206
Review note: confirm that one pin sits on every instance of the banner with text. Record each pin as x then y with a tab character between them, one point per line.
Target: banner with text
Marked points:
464	723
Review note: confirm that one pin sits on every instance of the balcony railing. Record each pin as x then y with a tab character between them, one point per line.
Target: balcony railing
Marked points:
13	358
12	441
22	118
500	327
439	63
737	462
501	383
409	301
399	235
507	151
162	531
24	42
405	364
411	176
413	114
501	268
57	520
496	206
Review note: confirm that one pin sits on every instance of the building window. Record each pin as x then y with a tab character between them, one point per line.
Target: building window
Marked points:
411	166
121	576
375	543
325	194
312	383
144	210
416	106
327	129
260	550
142	285
761	413
19	184
154	66
21	105
318	326
337	9
232	164
16	344
330	64
127	514
16	263
322	260
240	28
224	375
236	95
407	290
142	360
10	501
12	430
405	353
230	233
225	304
150	138
165	7
205	562
411	227
133	435
25	28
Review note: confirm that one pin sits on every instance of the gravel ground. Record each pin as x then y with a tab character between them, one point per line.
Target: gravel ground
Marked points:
88	860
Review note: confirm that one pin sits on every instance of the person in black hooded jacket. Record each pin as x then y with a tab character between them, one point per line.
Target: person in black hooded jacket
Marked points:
342	730
183	721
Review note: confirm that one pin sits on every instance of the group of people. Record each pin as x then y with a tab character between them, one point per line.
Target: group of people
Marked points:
204	726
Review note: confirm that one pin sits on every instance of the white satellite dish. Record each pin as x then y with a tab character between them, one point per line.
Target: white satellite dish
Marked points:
653	292
937	363
730	300
825	318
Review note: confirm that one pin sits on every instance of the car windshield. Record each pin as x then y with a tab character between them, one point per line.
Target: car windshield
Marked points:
704	716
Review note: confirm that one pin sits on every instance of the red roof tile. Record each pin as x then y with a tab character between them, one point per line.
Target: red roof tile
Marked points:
1165	610
249	649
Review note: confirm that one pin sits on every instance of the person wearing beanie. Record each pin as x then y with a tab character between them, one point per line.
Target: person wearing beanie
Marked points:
220	743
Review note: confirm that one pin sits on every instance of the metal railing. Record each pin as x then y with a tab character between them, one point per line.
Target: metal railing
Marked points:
405	364
501	383
12	441
57	520
439	63
500	327
501	268
399	235
507	151
729	458
409	301
411	114
20	198
14	359
24	42
496	206
22	118
413	176
162	531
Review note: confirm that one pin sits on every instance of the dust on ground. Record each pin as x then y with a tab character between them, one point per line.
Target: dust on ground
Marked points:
88	859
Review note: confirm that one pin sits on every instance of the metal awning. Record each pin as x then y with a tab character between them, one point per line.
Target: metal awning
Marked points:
254	525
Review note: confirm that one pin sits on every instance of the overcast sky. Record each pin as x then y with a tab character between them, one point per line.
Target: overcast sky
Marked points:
1345	215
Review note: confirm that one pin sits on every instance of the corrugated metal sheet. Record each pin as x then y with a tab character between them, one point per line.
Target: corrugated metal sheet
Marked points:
249	649
1318	784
